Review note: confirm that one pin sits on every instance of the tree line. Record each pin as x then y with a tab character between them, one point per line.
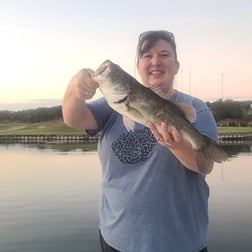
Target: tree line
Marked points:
221	109
32	115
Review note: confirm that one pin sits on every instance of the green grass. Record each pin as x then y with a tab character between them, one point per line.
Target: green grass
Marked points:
67	147
59	128
45	128
230	130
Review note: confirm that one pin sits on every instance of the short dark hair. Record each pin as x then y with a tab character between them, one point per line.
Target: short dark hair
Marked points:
148	38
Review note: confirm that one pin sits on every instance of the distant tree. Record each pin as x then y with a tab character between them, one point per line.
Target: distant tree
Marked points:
32	115
226	109
220	109
5	115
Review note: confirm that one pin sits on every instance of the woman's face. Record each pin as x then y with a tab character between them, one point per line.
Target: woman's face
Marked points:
158	66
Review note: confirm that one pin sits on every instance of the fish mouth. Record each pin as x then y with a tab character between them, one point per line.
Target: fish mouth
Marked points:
122	100
103	67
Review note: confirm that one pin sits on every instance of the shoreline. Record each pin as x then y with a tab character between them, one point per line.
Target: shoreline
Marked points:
85	139
49	139
235	136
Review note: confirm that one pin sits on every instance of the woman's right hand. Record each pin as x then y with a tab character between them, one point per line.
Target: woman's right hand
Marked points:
82	86
74	109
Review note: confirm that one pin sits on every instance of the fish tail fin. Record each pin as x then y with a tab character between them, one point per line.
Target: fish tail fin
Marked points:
210	152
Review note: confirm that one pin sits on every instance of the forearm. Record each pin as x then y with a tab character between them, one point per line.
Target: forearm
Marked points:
74	111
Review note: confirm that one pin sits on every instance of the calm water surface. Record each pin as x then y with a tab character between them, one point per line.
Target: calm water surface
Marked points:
49	201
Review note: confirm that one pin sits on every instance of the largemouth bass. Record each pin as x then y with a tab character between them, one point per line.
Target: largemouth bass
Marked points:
141	104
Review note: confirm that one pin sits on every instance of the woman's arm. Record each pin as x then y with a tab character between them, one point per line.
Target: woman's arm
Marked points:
74	109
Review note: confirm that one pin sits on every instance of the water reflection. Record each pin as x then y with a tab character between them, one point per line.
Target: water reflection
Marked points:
230	203
234	148
49	200
58	147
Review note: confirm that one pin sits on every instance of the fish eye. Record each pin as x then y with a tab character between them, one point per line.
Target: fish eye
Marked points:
120	88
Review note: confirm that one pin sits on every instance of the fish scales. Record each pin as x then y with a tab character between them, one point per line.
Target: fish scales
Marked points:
141	104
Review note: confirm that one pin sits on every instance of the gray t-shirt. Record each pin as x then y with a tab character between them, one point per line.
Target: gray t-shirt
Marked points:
150	201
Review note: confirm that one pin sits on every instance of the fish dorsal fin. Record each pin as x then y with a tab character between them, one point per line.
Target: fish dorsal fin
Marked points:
188	110
158	91
128	123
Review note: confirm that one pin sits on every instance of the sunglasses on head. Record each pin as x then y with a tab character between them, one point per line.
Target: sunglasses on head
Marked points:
161	33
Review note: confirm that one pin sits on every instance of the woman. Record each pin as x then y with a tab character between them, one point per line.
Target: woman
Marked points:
154	197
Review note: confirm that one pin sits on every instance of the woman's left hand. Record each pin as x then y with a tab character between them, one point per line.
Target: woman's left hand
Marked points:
167	136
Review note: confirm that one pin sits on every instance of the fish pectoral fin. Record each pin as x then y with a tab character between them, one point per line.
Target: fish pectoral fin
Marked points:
133	113
188	110
128	123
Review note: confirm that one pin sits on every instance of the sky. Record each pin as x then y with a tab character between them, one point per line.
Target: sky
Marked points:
43	43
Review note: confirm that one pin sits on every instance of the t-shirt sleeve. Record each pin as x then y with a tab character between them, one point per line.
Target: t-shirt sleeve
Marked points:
101	112
205	122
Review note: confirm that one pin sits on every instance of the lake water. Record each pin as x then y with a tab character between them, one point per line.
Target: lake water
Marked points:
49	200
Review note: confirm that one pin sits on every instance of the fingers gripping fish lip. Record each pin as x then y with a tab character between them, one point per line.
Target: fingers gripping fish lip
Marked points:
114	89
103	70
106	64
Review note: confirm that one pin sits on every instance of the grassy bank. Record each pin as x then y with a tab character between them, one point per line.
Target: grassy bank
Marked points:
59	128
44	128
230	130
